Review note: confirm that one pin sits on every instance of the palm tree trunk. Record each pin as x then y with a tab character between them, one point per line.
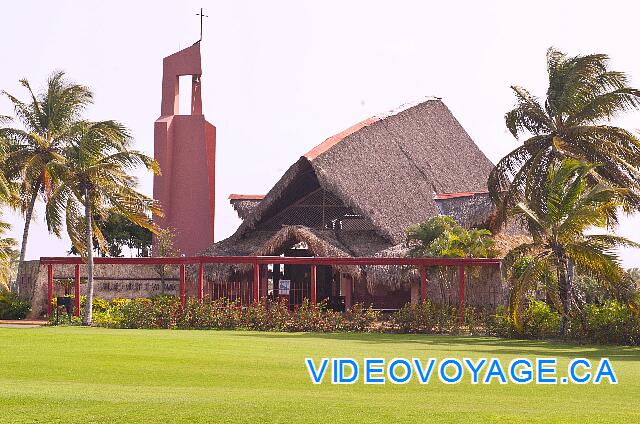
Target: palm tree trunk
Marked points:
565	279
25	235
88	307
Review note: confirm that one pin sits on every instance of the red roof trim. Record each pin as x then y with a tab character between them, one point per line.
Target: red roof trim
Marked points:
335	139
444	196
246	196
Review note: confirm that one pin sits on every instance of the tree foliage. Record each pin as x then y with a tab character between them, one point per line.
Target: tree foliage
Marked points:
119	232
558	221
572	121
49	121
7	255
442	236
94	181
164	246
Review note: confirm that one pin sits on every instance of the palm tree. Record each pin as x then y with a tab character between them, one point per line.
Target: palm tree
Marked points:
7	254
442	236
49	122
557	223
93	181
572	121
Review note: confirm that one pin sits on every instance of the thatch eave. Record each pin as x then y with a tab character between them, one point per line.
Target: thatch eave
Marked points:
274	243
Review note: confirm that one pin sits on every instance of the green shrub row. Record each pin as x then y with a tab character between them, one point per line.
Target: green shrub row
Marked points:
11	307
165	312
611	322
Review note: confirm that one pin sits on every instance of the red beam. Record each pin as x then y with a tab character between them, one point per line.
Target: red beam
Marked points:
317	260
201	282
423	283
49	289
313	284
461	293
76	311
182	285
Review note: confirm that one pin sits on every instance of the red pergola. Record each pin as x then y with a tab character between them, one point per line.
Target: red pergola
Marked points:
256	261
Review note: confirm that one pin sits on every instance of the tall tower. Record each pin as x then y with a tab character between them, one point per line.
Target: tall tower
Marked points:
185	148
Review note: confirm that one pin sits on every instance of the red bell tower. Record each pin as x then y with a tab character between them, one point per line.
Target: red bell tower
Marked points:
185	148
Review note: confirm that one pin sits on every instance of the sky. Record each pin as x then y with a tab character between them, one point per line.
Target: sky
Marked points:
279	77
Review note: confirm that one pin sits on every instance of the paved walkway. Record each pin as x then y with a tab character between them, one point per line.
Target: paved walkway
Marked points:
21	323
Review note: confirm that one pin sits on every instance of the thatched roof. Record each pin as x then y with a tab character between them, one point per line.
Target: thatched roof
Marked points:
506	241
362	243
244	203
274	243
396	277
386	168
470	209
475	209
391	276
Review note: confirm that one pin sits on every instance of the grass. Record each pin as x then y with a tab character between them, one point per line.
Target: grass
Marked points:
70	374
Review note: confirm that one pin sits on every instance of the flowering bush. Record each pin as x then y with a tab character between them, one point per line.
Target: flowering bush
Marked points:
611	322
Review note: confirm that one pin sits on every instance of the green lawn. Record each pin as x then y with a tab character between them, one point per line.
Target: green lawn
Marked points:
99	375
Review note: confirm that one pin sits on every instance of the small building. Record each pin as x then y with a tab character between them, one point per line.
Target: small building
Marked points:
354	195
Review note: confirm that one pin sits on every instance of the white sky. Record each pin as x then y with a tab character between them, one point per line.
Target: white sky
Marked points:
281	76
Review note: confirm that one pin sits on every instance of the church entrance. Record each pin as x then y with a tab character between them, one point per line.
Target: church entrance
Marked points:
292	283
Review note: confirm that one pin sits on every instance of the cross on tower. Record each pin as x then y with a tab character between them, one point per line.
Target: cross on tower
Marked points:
202	16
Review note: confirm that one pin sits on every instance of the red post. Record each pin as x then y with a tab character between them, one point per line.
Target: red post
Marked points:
76	311
49	289
182	285
256	282
423	283
201	282
461	293
348	296
313	284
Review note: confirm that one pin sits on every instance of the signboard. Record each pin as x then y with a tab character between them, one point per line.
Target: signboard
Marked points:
284	286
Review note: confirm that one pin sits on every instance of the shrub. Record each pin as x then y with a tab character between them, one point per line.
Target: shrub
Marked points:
612	322
539	321
256	317
414	318
425	317
109	314
141	313
478	321
166	312
359	318
12	307
502	324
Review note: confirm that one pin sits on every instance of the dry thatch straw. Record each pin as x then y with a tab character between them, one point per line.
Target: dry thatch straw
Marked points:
395	277
506	241
391	276
243	204
386	168
468	209
319	242
274	243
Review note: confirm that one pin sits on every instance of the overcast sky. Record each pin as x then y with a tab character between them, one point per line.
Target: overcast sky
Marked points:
281	76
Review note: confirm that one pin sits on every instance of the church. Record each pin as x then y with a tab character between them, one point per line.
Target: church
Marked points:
352	195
